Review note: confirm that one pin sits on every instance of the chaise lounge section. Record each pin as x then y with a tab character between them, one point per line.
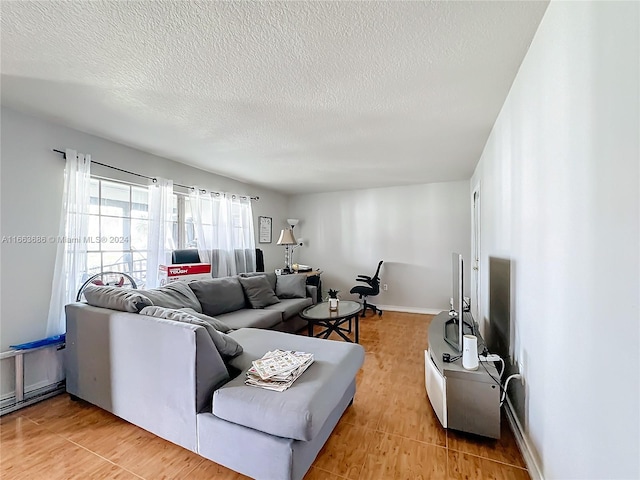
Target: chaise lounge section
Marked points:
169	378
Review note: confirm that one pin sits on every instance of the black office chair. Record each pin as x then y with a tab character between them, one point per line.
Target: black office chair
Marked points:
189	255
371	291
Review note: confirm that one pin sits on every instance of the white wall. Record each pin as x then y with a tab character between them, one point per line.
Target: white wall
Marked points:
31	189
414	229
560	198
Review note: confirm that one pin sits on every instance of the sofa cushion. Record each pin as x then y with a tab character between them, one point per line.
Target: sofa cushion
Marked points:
258	291
227	346
218	295
290	307
250	318
173	295
271	277
291	286
301	411
214	322
116	298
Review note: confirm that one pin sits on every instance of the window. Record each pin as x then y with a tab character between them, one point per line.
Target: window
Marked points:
118	228
187	228
238	218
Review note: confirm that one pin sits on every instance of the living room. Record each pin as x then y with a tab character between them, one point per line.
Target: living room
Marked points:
558	177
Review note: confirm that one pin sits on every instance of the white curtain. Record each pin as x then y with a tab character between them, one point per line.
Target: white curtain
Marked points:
71	255
201	205
224	232
160	238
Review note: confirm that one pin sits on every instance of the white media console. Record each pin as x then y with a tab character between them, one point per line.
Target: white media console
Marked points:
465	400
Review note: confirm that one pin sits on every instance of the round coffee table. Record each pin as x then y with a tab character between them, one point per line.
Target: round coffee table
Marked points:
332	321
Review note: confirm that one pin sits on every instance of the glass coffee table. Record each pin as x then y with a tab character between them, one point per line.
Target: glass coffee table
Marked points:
333	321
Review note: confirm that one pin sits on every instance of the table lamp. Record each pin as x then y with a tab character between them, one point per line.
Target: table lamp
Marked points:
287	239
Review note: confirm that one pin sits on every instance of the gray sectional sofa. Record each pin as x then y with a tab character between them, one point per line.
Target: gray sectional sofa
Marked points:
173	379
226	299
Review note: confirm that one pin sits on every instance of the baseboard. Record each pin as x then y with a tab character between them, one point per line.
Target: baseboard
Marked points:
10	404
11	394
523	443
424	311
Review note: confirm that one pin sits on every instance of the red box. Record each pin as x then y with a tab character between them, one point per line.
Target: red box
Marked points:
183	272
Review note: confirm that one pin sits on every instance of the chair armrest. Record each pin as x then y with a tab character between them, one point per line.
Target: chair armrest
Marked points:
363	278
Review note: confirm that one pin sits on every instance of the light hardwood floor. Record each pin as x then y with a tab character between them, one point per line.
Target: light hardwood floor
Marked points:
390	431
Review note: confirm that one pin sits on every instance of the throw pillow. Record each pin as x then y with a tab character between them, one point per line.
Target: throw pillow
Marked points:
116	298
215	323
218	295
173	295
291	286
226	345
258	291
271	277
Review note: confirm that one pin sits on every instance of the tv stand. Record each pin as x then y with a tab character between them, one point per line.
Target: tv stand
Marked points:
465	400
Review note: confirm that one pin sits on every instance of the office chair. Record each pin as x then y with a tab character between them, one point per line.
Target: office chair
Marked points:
189	255
371	291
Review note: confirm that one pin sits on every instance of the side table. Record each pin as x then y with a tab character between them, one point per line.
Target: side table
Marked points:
333	321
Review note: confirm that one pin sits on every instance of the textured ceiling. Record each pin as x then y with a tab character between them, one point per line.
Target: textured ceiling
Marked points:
293	96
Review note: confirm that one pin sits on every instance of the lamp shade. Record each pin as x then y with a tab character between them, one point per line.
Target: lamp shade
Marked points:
286	237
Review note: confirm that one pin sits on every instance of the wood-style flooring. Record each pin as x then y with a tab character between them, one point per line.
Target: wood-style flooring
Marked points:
390	431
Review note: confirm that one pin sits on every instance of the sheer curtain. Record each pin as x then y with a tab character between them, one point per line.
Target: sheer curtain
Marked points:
224	232
201	204
71	255
160	235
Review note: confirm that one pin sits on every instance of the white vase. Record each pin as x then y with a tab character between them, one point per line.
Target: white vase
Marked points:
333	304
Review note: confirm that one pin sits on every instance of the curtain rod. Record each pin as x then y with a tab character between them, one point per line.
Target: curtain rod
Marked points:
153	179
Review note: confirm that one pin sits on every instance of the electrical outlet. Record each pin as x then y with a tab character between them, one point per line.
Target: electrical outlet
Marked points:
385	287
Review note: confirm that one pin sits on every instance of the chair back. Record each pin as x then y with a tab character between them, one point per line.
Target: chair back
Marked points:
376	277
189	255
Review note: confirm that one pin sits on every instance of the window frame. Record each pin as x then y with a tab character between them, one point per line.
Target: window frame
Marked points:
130	264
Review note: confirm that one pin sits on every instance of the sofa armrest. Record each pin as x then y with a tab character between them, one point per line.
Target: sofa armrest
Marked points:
140	367
312	292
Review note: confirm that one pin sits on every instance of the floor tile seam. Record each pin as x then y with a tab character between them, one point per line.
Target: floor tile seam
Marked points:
402	437
324	470
40	425
50	430
33	421
105	459
447	459
488	458
405	437
366	454
78	445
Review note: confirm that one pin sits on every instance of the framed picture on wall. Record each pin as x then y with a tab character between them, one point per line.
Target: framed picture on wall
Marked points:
264	229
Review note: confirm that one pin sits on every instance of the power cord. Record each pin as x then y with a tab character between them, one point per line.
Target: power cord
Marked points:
485	356
496	380
506	384
493	358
